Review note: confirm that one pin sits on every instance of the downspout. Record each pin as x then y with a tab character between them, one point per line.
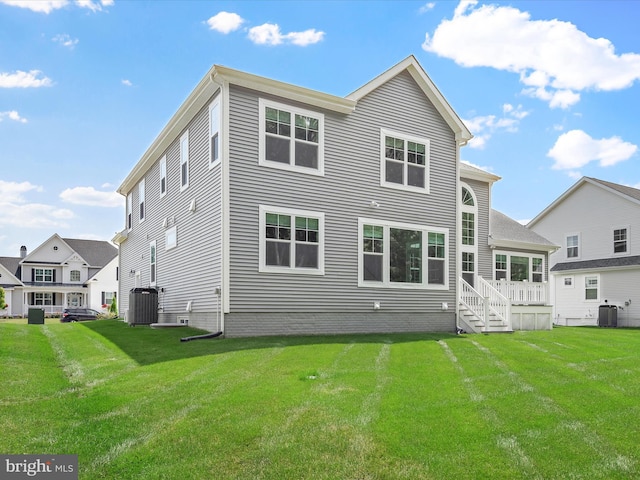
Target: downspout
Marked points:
222	291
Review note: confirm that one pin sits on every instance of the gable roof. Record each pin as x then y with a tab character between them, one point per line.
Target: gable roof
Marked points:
97	253
507	233
411	65
219	77
628	193
11	265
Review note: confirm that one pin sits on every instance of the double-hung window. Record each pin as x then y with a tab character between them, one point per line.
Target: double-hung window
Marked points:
141	199
620	240
291	138
184	161
401	255
214	132
404	161
291	241
591	288
163	176
573	246
43	275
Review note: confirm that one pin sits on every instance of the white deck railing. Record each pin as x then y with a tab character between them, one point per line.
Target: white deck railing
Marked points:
499	303
522	293
484	301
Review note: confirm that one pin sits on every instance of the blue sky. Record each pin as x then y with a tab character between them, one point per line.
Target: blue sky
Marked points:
549	89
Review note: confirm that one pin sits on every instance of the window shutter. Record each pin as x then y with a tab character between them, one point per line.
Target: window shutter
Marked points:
33	274
103	298
53	276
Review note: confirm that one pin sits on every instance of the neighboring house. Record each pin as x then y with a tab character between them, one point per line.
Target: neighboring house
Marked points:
597	224
266	208
60	273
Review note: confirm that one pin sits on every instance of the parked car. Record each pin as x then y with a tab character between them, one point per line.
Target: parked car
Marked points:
78	314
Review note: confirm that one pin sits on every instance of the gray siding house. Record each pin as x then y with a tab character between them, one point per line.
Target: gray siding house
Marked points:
596	224
266	208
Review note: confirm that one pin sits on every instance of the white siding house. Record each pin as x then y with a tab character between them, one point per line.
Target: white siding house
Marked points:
597	225
60	273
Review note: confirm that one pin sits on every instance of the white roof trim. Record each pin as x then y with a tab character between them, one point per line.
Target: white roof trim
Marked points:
463	135
570	191
514	244
476	173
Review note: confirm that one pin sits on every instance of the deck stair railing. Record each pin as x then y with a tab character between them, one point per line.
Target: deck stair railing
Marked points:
489	309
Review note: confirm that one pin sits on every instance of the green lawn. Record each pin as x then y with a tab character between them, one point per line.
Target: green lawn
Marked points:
136	403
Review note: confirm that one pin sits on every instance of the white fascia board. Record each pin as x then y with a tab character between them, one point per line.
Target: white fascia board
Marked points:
475	173
285	90
462	133
514	245
192	105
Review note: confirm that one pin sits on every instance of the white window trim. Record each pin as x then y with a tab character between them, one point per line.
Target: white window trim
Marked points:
621	227
584	287
386	283
142	207
153	264
566	246
263	268
184	160
530	256
410	138
473	249
170	233
163	175
568	277
216	103
292	167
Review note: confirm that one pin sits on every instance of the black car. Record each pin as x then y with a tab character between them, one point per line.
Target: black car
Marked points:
78	314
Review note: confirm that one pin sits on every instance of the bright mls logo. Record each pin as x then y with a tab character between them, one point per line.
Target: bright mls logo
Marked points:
50	467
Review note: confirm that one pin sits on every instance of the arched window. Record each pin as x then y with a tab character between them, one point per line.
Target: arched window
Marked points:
468	231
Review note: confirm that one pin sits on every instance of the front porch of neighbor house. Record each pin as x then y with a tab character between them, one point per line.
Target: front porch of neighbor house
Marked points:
503	306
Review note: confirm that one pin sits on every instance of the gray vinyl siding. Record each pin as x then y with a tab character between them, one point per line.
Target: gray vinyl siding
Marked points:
343	194
485	257
192	270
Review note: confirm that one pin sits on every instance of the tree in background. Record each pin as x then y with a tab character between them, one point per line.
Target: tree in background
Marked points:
113	308
3	305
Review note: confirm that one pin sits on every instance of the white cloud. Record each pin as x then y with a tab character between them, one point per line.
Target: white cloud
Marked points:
126	82
483	127
13	191
20	79
15	212
270	34
554	59
41	6
225	22
48	6
65	40
94	5
91	197
427	7
12	115
575	149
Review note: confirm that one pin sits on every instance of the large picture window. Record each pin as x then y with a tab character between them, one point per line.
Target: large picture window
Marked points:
291	138
401	255
404	161
518	267
291	241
